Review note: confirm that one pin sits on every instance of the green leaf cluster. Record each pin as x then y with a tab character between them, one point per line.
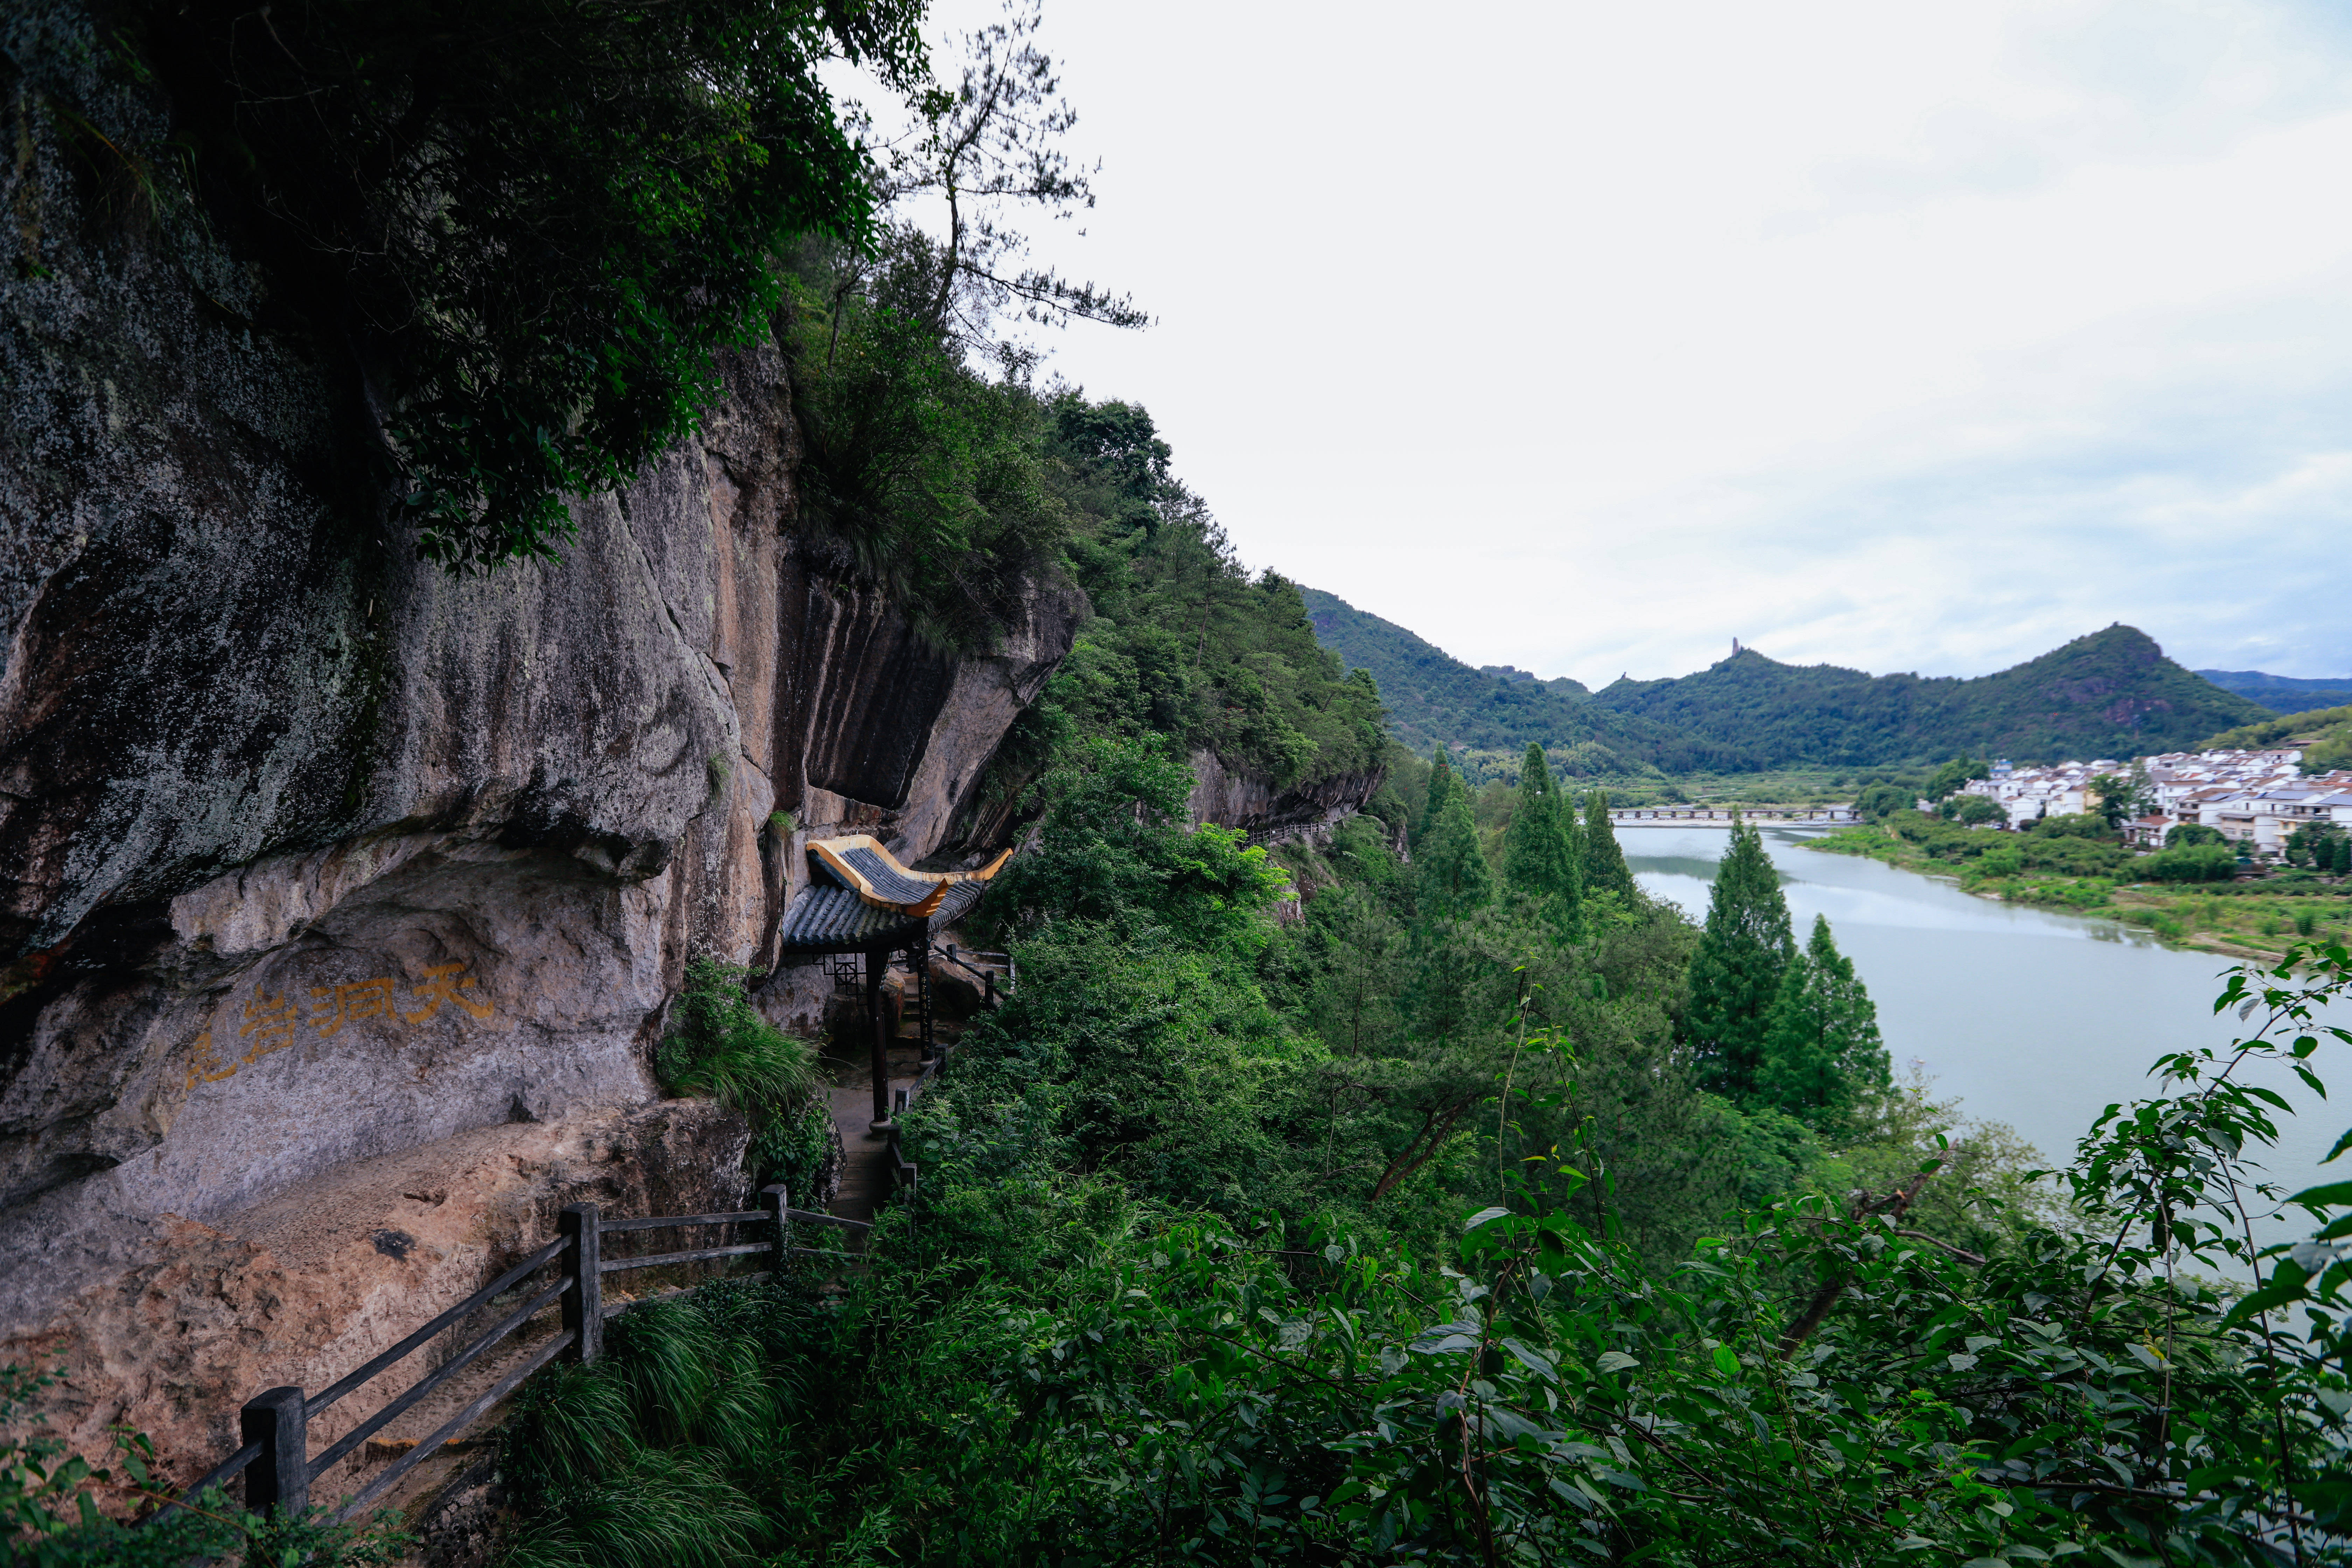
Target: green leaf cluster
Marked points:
525	228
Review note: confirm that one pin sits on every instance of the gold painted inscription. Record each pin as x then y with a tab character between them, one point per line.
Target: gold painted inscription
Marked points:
270	1023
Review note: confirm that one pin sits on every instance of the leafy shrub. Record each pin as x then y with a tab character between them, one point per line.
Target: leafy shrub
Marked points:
2189	833
2073	856
793	1147
1976	811
1880	801
2191	863
49	1516
2076	825
1113	845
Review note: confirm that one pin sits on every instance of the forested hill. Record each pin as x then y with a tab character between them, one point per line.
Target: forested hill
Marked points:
2284	693
2111	694
1433	698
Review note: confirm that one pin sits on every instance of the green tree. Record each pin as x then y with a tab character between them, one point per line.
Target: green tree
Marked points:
1539	850
1113	849
1823	1055
2122	797
1451	874
1977	811
1953	774
1442	783
527	228
1878	801
1735	976
1604	861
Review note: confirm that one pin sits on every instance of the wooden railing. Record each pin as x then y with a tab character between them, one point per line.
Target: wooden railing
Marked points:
275	1459
980	966
906	1174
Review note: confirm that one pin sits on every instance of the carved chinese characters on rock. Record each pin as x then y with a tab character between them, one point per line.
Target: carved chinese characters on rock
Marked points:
340	1005
270	1023
441	983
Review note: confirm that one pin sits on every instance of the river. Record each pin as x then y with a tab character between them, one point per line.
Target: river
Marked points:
2037	1019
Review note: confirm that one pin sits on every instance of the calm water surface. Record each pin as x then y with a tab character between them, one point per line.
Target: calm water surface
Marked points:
2040	1020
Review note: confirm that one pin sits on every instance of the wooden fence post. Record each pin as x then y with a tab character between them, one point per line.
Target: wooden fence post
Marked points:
776	1200
280	1478
584	1303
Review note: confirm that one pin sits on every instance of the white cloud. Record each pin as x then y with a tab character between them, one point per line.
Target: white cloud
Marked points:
1588	337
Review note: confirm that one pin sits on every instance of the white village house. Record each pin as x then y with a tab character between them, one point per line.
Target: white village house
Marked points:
2253	797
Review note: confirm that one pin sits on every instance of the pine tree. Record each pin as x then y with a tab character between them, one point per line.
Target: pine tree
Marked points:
1604	862
1539	853
1735	976
1442	783
1823	1055
1450	871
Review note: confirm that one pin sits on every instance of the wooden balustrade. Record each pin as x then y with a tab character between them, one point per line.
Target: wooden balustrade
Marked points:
275	1459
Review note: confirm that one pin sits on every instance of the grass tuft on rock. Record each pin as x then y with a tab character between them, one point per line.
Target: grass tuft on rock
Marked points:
719	1047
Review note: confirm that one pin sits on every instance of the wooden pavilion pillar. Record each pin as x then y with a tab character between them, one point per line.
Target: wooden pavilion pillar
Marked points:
876	963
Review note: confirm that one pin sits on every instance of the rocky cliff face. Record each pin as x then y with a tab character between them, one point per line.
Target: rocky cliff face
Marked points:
341	899
310	854
1307	809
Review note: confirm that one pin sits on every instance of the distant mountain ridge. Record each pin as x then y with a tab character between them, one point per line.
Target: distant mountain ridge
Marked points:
1432	697
2110	694
2284	693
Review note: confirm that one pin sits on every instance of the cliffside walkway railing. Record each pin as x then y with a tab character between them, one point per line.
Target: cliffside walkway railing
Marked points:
906	1174
275	1459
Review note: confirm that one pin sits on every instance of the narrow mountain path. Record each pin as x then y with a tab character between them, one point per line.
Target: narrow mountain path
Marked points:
865	1166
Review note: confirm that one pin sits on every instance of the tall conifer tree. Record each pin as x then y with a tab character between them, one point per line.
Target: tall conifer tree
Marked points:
1539	853
1822	1056
1450	871
1441	783
1735	976
1604	861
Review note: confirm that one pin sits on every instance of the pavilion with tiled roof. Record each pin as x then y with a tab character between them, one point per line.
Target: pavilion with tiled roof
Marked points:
861	904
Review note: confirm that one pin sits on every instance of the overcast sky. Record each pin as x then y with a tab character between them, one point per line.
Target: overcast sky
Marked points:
1588	337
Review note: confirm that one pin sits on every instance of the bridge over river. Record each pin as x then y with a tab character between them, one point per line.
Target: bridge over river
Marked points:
1699	816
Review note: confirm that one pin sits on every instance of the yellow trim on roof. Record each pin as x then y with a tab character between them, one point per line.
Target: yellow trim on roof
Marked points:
829	851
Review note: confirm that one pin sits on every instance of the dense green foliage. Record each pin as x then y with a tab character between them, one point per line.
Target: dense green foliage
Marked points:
2110	694
1183	644
1603	862
719	1047
2324	735
1823	1057
2190	863
930	477
1433	699
524	227
2281	693
1190	1279
1735	975
1544	853
1952	775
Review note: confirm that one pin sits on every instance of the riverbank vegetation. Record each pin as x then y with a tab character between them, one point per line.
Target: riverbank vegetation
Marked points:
2193	894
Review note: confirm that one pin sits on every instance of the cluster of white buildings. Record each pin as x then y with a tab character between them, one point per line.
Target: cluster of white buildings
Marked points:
2252	797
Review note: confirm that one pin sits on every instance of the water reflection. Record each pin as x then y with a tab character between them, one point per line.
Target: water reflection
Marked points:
2032	1017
